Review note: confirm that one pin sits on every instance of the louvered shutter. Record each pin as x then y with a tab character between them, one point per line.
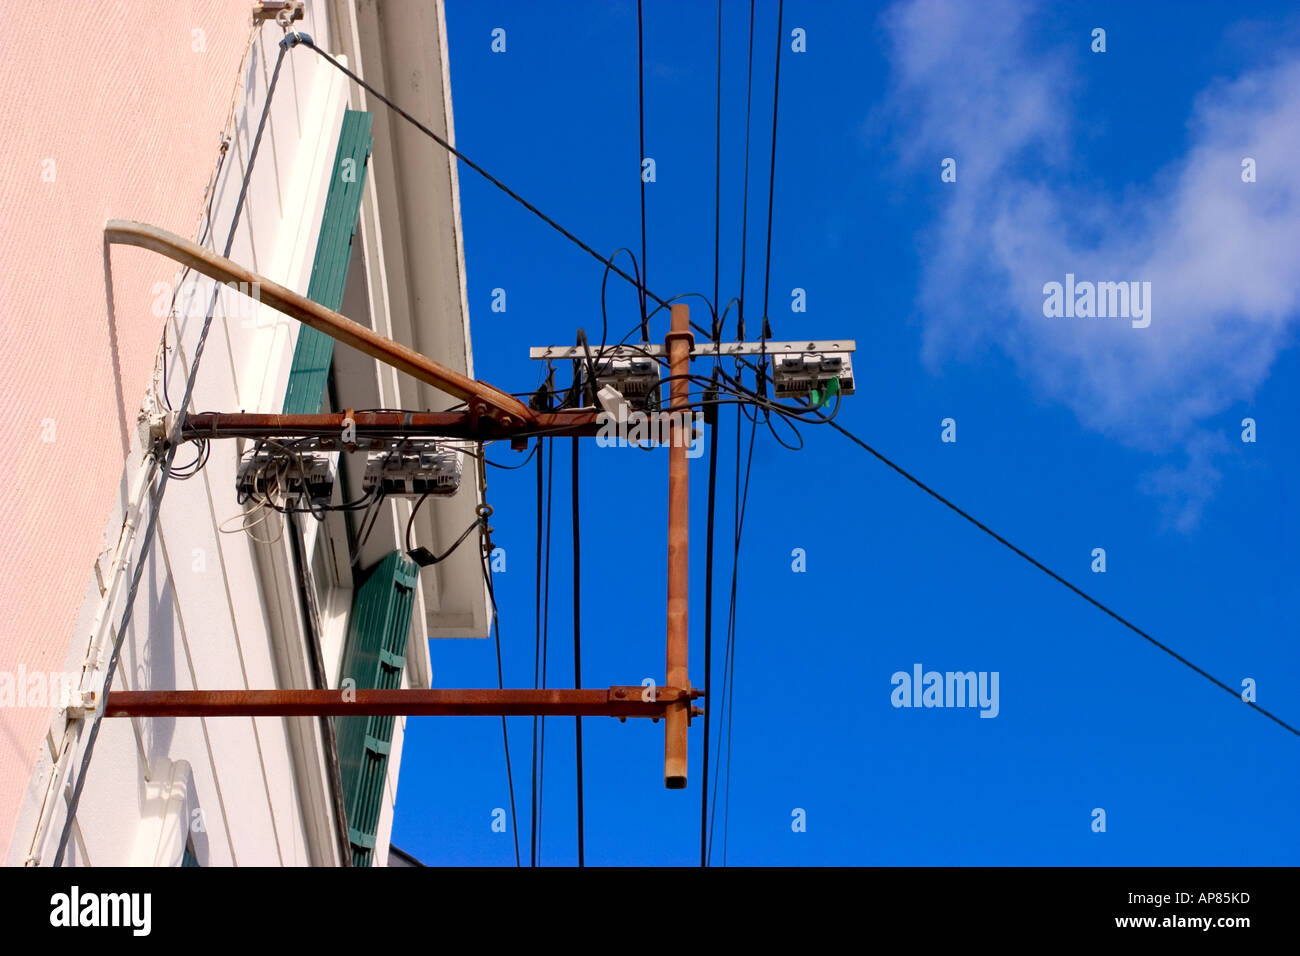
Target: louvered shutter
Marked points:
312	354
374	656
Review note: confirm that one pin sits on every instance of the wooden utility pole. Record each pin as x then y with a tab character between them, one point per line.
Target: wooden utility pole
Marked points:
677	716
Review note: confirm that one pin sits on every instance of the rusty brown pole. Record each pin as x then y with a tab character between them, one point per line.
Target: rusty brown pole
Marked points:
482	398
618	701
380	425
677	715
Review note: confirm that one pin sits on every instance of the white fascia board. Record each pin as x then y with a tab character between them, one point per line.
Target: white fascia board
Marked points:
410	233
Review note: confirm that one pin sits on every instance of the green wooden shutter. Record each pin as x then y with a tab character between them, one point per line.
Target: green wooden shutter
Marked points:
329	271
374	656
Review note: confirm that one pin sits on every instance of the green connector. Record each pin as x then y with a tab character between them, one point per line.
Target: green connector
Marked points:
832	388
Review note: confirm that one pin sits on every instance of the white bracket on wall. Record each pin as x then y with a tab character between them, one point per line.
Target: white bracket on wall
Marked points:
81	703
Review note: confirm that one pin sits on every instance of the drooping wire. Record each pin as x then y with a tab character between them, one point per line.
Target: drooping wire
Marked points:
307	41
744	203
537	649
640	112
729	665
514	467
152	524
505	734
811	415
203	450
577	650
368	519
546	623
713	466
1056	577
478	523
728	652
708	643
604	315
771	179
743	497
717	180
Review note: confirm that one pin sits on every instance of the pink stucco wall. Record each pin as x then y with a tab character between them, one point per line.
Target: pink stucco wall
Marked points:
129	109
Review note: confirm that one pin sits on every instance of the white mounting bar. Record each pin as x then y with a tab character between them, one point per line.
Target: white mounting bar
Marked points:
698	349
798	369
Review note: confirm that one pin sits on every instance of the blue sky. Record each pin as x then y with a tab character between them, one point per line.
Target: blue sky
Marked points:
1072	433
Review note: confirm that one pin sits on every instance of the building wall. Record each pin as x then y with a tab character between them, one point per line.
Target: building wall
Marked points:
120	106
216	610
206	618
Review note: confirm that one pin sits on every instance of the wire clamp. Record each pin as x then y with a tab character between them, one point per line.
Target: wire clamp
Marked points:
484	511
292	38
81	703
349	436
161	424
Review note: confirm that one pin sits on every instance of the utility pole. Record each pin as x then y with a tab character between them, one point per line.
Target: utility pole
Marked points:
677	717
812	371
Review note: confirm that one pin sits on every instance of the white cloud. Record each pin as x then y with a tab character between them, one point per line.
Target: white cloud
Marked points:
974	81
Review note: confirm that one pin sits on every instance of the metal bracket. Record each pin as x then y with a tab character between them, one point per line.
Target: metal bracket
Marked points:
160	425
688	337
82	703
282	11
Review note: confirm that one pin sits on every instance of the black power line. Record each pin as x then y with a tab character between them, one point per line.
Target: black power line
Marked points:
742	497
713	465
307	41
729	670
537	652
717	180
1056	577
577	646
640	112
505	736
771	179
708	644
546	626
744	202
728	650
